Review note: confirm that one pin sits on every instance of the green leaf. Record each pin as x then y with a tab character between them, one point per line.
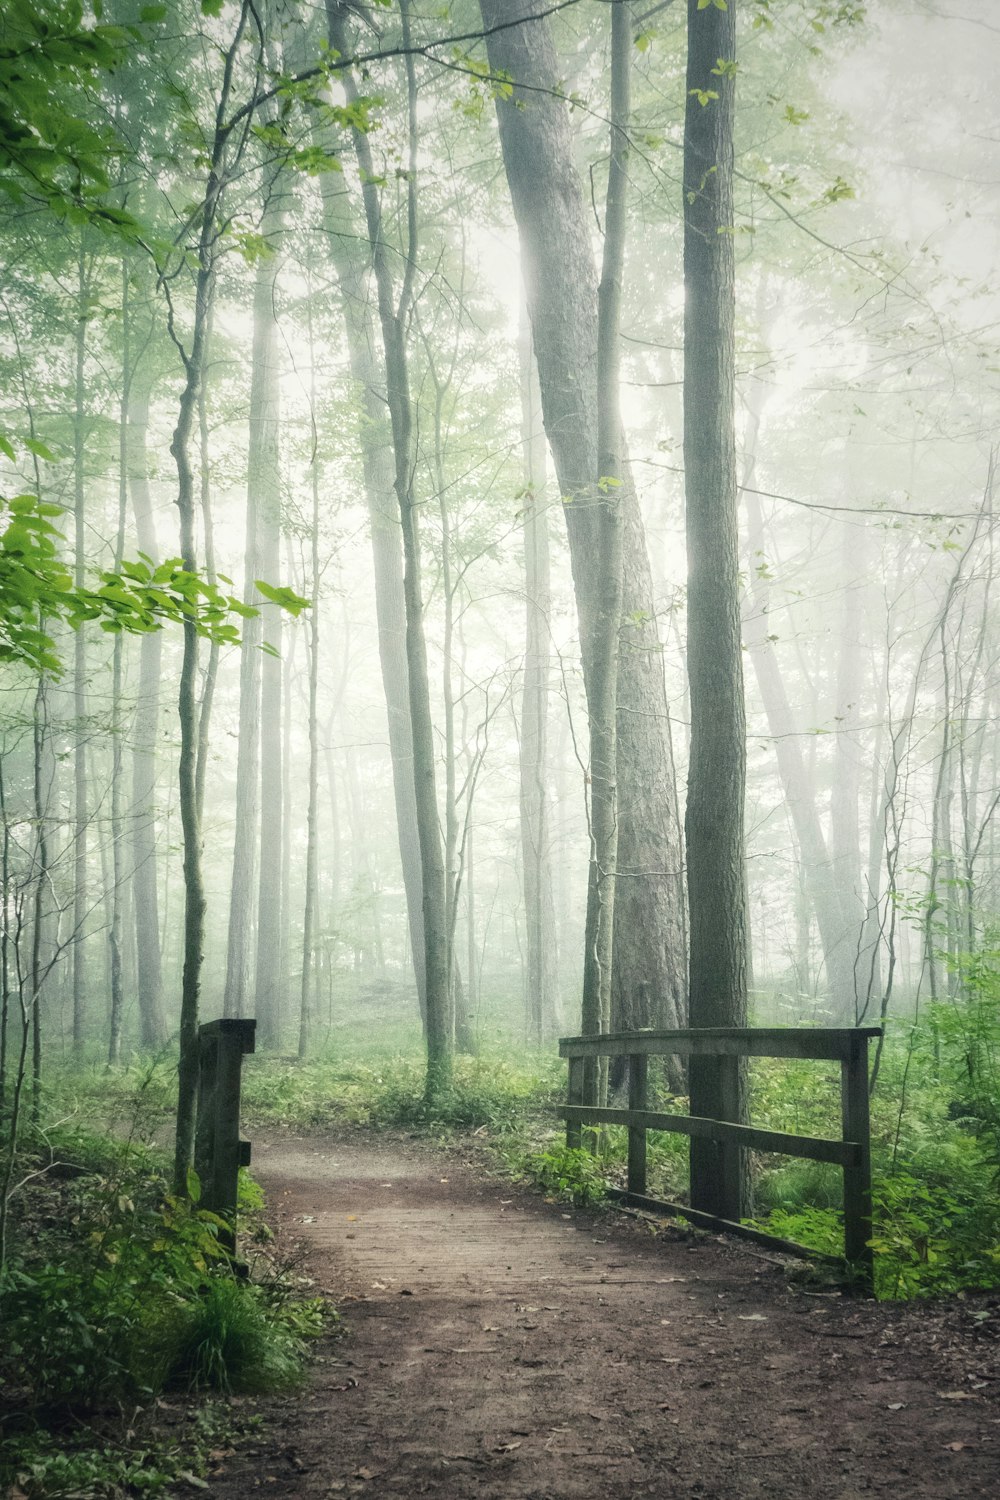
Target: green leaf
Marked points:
152	13
285	598
193	1185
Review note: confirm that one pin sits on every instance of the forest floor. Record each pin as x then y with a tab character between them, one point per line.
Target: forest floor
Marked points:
499	1345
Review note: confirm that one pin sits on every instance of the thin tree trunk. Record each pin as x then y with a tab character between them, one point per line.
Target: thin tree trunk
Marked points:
839	940
81	813
310	900
263	490
208	532
193	361
539	918
393	316
116	926
145	884
378	467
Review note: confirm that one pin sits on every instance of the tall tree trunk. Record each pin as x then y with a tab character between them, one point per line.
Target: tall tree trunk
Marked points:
269	917
539	917
193	362
717	770
378	468
145	885
116	925
81	814
393	316
649	977
263	487
310	896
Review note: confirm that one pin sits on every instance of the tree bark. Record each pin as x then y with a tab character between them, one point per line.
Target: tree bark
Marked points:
649	978
717	768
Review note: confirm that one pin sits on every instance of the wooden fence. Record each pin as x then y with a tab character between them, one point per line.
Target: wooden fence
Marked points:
846	1045
218	1151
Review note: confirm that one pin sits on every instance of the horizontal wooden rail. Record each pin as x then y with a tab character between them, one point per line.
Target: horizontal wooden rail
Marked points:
847	1046
832	1042
812	1147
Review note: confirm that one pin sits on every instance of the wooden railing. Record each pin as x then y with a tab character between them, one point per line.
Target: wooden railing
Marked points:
846	1045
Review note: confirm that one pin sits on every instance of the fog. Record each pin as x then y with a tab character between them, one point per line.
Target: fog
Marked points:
867	368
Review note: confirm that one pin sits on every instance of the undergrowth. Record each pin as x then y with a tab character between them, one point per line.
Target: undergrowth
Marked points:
114	1291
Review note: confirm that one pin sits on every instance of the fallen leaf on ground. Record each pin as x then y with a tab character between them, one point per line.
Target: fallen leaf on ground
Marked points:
956	1396
506	1447
957	1447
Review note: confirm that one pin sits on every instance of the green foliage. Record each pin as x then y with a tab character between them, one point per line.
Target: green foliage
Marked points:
49	150
37	588
114	1285
935	1145
486	1094
574	1176
233	1337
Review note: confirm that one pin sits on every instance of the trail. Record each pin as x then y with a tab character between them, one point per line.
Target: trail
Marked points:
502	1346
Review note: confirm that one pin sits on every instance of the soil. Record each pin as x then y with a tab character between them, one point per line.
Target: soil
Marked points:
499	1345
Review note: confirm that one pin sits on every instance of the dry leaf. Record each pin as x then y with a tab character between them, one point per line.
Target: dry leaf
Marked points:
895	1406
506	1447
957	1447
751	1317
956	1396
367	1473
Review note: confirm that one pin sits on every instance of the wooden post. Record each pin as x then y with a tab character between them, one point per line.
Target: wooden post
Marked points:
219	1152
637	1100
857	1178
731	1188
574	1133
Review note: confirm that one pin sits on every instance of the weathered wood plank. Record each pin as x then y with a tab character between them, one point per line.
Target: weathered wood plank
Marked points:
825	1042
574	1135
857	1174
812	1147
637	1100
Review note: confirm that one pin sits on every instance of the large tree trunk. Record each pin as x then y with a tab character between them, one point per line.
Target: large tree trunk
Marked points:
717	771
561	285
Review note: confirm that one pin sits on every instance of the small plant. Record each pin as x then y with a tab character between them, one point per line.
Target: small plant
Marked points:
568	1173
232	1338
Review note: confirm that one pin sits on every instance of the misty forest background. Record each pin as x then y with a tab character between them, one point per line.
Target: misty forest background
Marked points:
252	302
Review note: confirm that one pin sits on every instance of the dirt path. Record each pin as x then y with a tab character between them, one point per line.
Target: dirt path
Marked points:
500	1346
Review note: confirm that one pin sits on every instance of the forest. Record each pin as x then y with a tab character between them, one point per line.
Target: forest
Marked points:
497	545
